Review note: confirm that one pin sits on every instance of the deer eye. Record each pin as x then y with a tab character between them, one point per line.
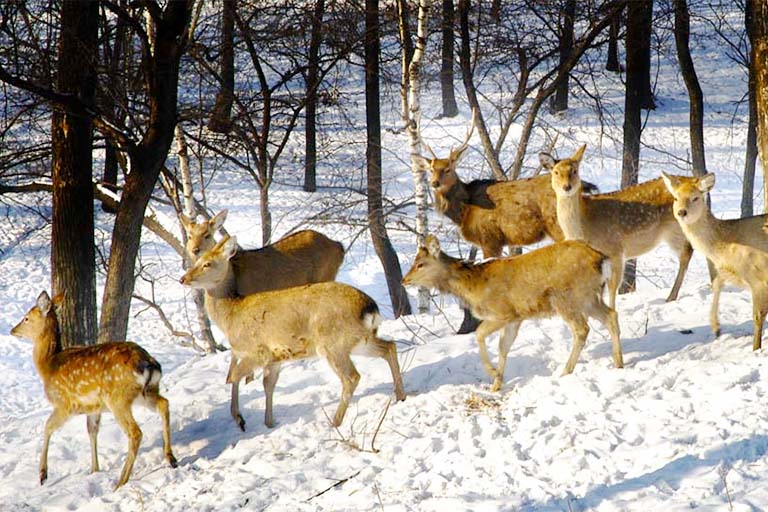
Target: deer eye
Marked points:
695	199
208	236
26	319
207	264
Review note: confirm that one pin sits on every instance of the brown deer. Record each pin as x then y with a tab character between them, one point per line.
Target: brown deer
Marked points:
493	214
265	329
738	247
565	279
300	258
89	380
623	224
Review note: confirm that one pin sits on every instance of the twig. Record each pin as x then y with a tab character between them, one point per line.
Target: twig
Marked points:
378	426
338	483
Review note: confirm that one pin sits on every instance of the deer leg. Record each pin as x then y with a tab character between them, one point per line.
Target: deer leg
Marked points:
92	424
234	405
271	373
717	285
485	329
161	406
617	274
505	342
610	319
758	315
386	350
57	418
342	365
124	418
580	329
684	257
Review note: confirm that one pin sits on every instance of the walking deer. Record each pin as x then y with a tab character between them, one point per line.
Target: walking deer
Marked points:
265	329
493	214
89	380
737	247
300	258
565	279
622	224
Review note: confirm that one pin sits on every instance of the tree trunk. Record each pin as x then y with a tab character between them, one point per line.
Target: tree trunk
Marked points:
682	34
637	79
403	22
73	262
560	99
221	117
467	77
412	115
147	159
109	178
612	63
376	221
446	70
638	47
266	215
748	183
313	74
758	26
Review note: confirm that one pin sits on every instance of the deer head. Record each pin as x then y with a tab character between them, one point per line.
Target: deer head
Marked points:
442	171
690	195
212	267
565	172
200	233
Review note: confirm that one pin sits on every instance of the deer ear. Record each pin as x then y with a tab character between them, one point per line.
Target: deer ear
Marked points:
432	244
218	220
579	154
230	247
670	181
44	303
706	182
547	161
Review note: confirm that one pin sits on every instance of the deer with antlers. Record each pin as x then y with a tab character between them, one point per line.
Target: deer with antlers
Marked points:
91	379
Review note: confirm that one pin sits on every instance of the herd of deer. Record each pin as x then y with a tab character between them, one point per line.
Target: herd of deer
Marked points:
281	302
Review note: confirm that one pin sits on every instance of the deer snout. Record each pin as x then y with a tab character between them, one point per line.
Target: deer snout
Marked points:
682	213
184	279
195	250
435	184
567	188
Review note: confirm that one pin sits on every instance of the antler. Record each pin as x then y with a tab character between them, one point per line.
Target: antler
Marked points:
458	151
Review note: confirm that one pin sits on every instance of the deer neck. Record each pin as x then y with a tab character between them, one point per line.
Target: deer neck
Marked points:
451	203
46	345
219	299
704	233
460	278
570	214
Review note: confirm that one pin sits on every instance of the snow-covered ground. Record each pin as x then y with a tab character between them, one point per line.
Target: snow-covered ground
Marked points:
683	425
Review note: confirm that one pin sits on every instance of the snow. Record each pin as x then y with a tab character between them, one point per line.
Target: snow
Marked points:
682	426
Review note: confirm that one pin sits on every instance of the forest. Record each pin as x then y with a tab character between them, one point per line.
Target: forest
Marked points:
248	189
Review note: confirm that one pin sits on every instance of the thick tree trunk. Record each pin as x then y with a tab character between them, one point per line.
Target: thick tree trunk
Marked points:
467	77
376	221
612	62
758	26
266	215
560	99
748	183
638	68
682	34
73	261
109	177
221	117
450	108
313	75
147	160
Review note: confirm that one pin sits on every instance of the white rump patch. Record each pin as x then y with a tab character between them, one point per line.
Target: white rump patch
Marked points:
606	269
372	320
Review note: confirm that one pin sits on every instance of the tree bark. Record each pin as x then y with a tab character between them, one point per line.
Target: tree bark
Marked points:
147	158
560	99
73	262
758	26
637	86
467	77
313	75
612	62
748	183
450	109
696	116
221	117
376	221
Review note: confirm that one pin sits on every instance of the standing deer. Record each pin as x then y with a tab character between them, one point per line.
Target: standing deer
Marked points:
89	380
493	214
623	224
265	329
565	278
301	258
738	247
